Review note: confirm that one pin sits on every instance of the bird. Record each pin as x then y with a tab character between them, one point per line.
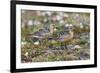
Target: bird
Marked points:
68	36
66	39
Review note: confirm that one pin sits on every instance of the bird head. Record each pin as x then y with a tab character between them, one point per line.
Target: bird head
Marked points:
69	26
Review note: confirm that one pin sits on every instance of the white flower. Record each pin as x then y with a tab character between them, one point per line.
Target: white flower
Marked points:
30	22
23	43
58	17
45	20
55	29
70	25
61	22
81	25
26	54
37	22
66	25
36	43
77	15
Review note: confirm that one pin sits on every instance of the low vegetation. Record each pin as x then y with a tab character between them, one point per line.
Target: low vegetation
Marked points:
43	36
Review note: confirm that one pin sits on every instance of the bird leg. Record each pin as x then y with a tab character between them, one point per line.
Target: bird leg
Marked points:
61	44
65	46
